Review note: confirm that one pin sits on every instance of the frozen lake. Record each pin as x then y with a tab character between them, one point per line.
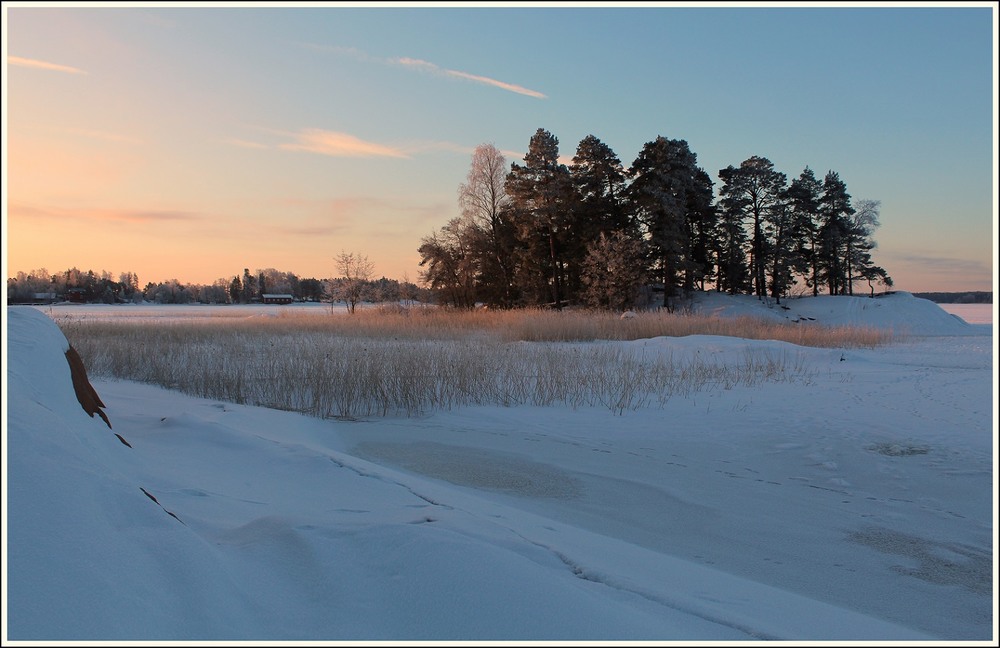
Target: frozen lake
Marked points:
971	313
183	311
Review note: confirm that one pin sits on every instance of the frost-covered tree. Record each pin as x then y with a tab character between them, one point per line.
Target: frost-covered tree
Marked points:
169	292
277	281
217	293
355	273
129	284
485	205
614	271
24	286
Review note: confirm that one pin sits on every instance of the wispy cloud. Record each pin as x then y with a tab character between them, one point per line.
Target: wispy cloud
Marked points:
416	147
43	65
426	66
337	144
320	141
941	264
104	215
146	216
436	69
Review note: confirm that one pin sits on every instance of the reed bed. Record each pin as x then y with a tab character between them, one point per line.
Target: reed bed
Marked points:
538	325
549	326
383	362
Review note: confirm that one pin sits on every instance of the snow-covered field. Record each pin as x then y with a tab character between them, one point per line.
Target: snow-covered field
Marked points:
856	505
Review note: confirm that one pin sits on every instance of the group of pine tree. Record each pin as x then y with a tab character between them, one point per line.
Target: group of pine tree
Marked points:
595	233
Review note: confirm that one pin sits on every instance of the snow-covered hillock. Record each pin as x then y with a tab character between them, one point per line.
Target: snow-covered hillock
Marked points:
900	311
83	538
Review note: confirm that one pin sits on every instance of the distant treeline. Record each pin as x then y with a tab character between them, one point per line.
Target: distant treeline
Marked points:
957	297
41	286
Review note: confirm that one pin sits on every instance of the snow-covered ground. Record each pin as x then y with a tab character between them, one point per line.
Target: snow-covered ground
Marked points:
858	504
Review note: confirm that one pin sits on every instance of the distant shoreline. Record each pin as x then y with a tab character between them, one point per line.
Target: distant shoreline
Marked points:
968	297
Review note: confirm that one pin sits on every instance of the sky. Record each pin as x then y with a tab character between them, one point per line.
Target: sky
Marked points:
191	141
723	515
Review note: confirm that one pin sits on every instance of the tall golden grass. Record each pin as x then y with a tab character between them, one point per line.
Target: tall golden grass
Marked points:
546	325
381	362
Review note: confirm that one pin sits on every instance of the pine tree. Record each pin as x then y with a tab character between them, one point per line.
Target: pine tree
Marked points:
668	189
781	249
803	196
541	198
600	182
731	251
249	287
754	189
235	290
599	206
703	222
835	211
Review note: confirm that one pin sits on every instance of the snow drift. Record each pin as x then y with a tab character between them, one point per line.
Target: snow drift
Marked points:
85	544
900	312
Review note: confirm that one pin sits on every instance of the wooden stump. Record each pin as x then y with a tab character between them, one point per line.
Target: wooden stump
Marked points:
85	392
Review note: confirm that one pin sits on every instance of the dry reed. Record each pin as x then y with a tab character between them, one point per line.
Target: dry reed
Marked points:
382	362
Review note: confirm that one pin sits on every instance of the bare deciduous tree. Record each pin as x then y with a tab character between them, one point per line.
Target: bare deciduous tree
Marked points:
858	259
355	273
485	205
